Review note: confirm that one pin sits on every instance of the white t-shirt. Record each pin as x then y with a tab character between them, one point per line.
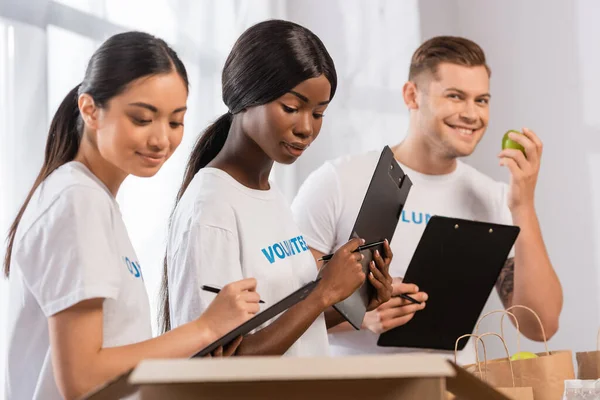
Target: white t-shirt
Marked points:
71	245
328	203
222	232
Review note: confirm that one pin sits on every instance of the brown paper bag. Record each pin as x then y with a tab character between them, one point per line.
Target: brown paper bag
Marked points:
545	374
513	392
475	368
588	362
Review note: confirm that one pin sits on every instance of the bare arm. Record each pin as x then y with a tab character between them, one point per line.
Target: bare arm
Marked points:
380	279
333	319
529	279
80	363
297	320
279	336
342	277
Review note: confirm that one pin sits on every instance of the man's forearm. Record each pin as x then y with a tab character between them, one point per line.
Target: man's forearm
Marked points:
531	280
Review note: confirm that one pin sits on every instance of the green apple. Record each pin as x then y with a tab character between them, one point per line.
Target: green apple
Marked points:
507	143
523	355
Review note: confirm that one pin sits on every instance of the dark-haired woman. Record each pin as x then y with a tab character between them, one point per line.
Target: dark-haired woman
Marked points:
78	309
231	222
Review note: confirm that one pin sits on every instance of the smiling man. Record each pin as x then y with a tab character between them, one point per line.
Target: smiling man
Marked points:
447	95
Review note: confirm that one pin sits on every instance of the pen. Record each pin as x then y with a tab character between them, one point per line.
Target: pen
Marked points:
213	289
360	248
407	297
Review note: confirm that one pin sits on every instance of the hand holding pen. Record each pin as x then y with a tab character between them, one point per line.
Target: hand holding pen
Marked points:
366	247
215	289
358	250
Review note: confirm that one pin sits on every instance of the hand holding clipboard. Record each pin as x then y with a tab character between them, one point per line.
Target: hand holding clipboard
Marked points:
377	219
367	246
342	274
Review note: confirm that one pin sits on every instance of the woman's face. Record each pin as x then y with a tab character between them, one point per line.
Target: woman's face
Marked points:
285	127
139	129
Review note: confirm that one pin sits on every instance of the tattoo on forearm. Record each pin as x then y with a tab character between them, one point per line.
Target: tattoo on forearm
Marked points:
506	282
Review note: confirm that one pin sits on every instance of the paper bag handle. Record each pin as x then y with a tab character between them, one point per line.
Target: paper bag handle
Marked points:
504	312
480	338
476	351
535	315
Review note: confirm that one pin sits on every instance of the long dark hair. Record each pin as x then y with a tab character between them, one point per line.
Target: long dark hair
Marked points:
267	61
119	61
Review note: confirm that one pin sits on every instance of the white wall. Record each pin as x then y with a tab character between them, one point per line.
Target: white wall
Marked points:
545	58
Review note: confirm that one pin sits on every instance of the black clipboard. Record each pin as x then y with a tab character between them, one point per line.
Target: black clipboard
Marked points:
377	220
260	318
457	263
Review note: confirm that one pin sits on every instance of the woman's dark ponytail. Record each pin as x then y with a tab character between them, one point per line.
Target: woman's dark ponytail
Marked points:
208	145
65	132
61	147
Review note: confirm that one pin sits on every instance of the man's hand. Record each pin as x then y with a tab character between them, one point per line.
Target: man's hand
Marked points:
524	169
396	311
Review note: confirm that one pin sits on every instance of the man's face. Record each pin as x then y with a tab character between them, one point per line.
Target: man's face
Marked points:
453	108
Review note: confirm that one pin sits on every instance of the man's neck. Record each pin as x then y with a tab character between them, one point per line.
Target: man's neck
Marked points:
419	156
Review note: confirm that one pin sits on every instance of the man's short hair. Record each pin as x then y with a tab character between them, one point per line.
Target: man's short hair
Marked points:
446	49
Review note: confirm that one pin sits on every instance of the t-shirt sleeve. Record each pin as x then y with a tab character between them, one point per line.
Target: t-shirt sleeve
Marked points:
207	255
317	208
69	254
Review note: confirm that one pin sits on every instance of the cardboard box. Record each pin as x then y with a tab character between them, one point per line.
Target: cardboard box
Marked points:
382	377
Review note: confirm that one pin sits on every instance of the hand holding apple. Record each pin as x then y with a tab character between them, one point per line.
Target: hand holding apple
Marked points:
523	170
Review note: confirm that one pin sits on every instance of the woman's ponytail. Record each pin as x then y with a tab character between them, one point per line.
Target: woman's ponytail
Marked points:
62	145
208	145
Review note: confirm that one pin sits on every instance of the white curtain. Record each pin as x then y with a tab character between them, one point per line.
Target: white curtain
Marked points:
45	45
22	125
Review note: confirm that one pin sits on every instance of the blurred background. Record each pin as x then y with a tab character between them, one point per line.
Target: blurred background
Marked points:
545	58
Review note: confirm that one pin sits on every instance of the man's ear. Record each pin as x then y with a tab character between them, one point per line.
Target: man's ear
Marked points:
409	93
